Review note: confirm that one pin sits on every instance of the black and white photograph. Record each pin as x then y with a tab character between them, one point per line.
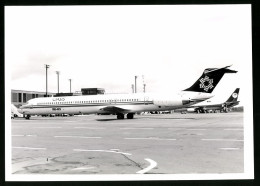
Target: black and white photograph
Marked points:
128	92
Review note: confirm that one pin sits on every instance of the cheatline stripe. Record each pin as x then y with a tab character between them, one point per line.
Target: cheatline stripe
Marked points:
32	148
77	137
92	104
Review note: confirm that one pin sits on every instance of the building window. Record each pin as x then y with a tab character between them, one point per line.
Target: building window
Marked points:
29	96
14	97
20	97
24	97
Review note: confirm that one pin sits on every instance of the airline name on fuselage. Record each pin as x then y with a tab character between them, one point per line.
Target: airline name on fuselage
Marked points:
58	99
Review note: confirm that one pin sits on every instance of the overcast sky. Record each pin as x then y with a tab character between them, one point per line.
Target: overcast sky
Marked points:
106	46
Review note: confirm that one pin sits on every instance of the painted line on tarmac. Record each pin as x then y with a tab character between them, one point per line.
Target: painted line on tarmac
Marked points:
233	129
136	128
196	129
32	148
83	168
77	137
18	135
22	120
115	149
98	128
112	151
229	148
24	135
221	140
150	139
151	166
48	127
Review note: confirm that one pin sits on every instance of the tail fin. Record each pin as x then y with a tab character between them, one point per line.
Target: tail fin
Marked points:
234	96
209	79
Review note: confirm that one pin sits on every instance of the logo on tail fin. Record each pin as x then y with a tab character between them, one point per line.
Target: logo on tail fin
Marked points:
206	83
234	95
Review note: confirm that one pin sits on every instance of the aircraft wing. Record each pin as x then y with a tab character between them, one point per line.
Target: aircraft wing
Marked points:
206	107
215	106
114	109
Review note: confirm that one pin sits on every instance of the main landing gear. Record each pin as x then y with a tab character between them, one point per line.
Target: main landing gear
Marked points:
27	117
130	116
122	116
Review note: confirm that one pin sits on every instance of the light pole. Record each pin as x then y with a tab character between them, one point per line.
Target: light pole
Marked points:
58	73
70	85
135	83
46	66
143	84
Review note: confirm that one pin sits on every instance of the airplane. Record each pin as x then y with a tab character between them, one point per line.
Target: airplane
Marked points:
129	104
208	105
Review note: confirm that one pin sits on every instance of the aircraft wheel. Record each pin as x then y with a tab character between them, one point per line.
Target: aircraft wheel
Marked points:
27	117
130	116
120	116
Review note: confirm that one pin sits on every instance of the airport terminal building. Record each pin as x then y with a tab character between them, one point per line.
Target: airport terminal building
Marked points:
20	97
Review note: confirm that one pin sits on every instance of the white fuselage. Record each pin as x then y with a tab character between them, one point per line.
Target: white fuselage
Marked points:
128	103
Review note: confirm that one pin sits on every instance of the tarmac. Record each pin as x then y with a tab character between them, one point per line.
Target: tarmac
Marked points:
148	144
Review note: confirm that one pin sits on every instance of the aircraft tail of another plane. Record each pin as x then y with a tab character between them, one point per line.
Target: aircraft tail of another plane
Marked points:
234	96
209	79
